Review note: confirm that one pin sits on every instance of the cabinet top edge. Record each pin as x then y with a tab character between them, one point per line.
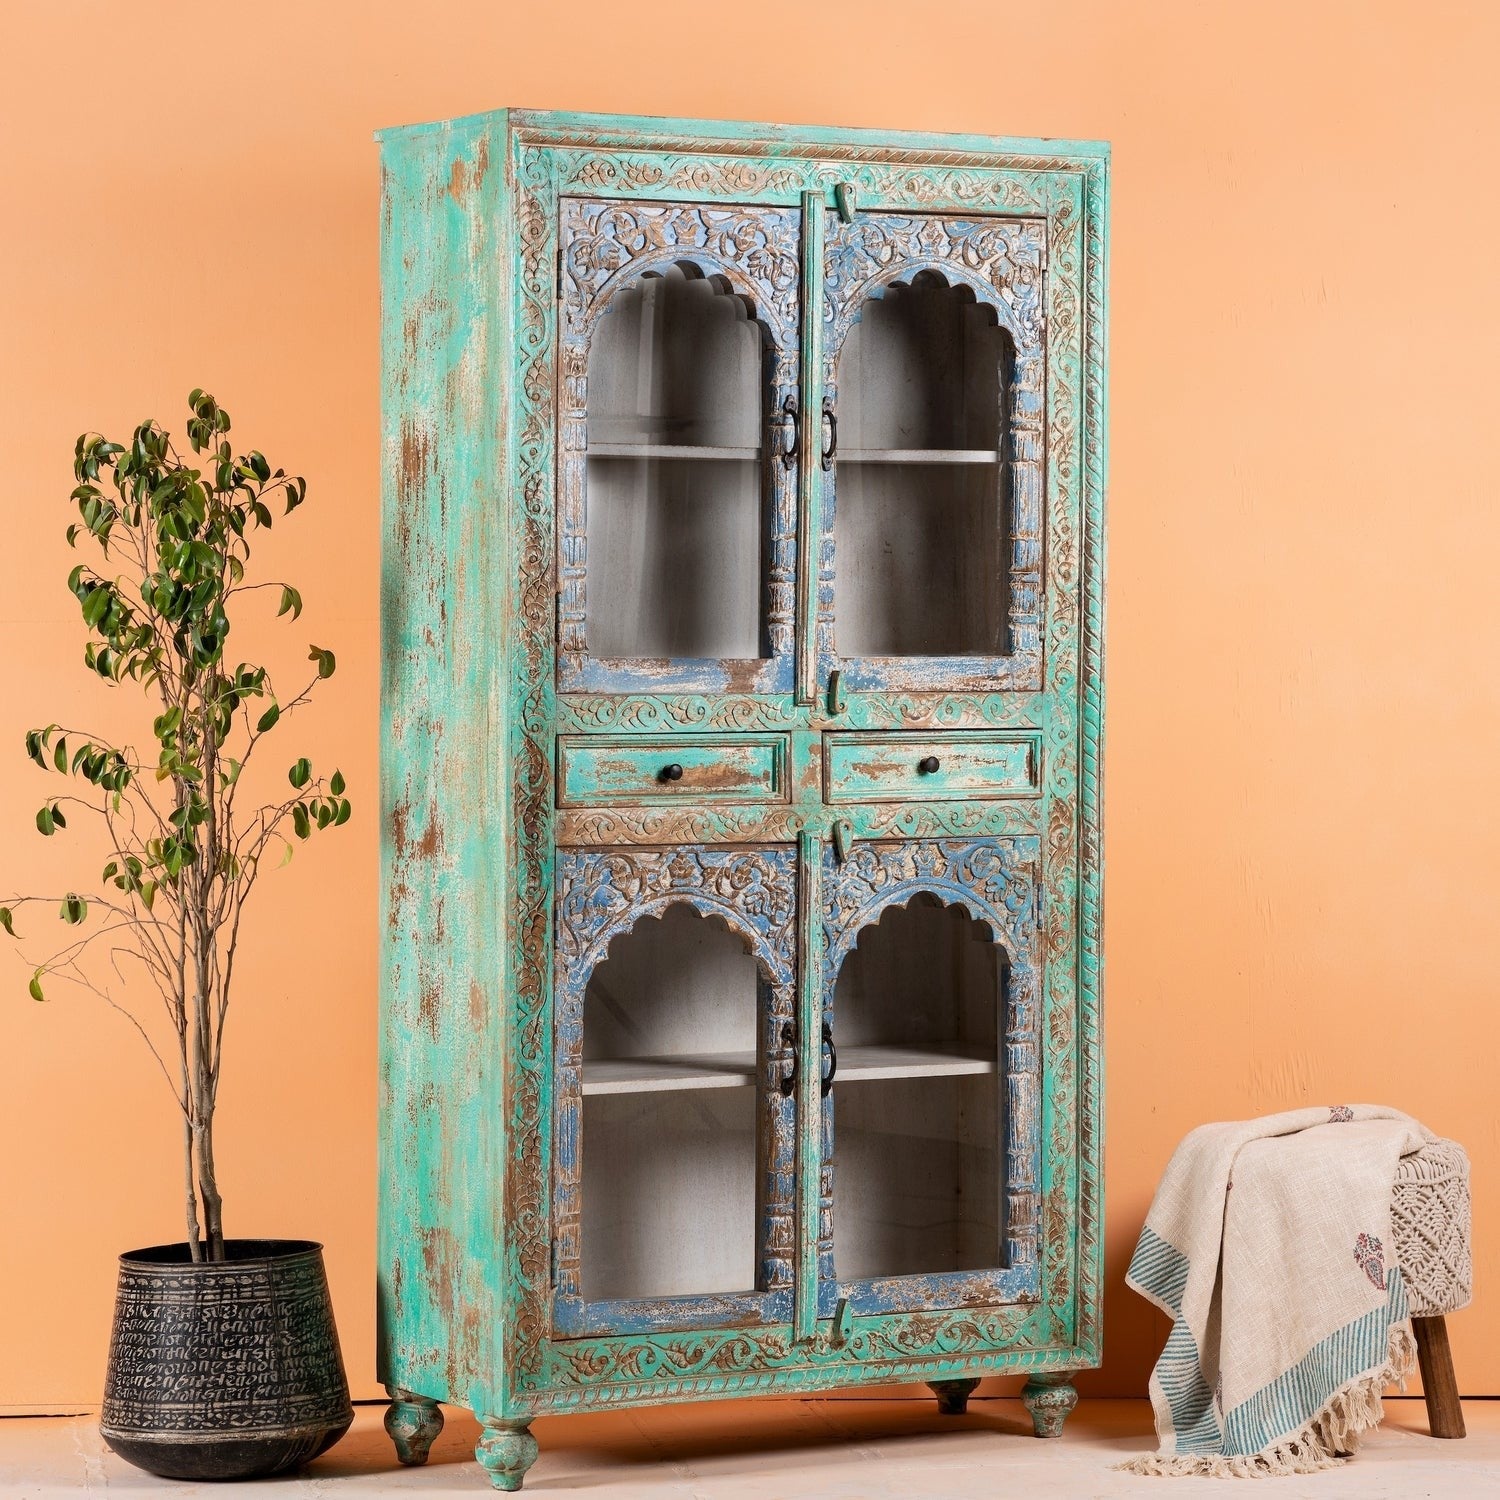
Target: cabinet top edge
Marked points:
564	127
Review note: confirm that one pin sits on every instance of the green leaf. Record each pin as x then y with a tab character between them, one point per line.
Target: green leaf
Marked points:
34	747
344	811
301	773
96	606
74	909
268	719
46	822
60	755
336	785
5	920
300	822
148	893
35	987
324	660
290	600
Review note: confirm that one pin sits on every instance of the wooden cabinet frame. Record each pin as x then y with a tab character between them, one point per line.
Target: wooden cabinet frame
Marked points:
485	667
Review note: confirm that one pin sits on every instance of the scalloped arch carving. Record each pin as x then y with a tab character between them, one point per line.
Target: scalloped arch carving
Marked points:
603	894
999	260
609	245
994	880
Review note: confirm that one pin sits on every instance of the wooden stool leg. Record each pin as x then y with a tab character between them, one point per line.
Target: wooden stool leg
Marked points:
1445	1416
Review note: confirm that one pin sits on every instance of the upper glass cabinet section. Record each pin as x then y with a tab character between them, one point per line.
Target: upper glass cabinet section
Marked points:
677	555
933	403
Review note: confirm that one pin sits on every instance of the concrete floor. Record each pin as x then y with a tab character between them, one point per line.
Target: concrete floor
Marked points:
783	1450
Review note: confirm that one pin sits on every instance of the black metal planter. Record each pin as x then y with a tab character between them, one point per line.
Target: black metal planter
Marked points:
227	1370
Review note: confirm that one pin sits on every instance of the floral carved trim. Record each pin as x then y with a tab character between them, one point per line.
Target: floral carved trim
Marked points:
528	924
628	1370
678	825
602	894
606	243
637	712
1001	260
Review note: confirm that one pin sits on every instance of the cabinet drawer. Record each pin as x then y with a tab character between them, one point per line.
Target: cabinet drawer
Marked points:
598	771
900	767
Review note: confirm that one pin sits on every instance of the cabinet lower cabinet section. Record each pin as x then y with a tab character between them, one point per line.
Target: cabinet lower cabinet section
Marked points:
740	980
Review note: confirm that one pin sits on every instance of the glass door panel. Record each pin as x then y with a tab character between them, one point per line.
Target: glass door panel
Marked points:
679	344
922	511
930	1130
669	1138
934	374
673	1147
675	527
918	1165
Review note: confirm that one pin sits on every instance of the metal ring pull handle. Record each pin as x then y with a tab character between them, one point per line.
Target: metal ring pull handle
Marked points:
831	418
672	772
833	1058
788	420
788	1080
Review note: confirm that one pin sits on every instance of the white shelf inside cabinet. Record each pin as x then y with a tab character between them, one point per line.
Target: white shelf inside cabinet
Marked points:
729	1070
668	450
918	456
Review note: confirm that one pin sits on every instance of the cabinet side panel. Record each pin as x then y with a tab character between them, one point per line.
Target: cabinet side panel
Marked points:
443	794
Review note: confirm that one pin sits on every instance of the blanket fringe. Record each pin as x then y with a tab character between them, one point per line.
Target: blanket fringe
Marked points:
1324	1443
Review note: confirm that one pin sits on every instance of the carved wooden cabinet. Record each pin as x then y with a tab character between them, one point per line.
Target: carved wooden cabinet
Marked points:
742	569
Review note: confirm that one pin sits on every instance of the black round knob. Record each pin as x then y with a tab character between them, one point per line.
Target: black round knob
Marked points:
672	772
928	765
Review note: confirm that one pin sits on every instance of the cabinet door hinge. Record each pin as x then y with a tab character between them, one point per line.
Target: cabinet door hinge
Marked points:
552	1265
557	288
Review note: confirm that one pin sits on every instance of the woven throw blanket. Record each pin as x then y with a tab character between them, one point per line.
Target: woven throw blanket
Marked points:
1269	1246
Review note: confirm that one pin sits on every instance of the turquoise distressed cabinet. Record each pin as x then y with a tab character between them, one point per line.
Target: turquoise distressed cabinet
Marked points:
741	599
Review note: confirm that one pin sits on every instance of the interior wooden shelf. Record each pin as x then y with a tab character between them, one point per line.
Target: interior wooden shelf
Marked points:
730	1070
668	450
918	456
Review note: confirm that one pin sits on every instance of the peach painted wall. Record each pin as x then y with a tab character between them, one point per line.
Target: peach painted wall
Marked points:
1303	699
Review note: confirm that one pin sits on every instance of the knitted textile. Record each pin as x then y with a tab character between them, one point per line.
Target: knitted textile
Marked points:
1430	1228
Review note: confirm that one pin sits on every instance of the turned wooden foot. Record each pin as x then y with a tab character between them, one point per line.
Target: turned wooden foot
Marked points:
412	1423
507	1450
1049	1398
953	1395
1445	1416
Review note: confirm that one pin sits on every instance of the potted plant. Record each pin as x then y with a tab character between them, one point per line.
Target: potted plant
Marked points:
224	1360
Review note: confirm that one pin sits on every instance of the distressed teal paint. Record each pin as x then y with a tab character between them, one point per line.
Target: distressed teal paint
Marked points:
476	402
900	768
444	791
600	770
